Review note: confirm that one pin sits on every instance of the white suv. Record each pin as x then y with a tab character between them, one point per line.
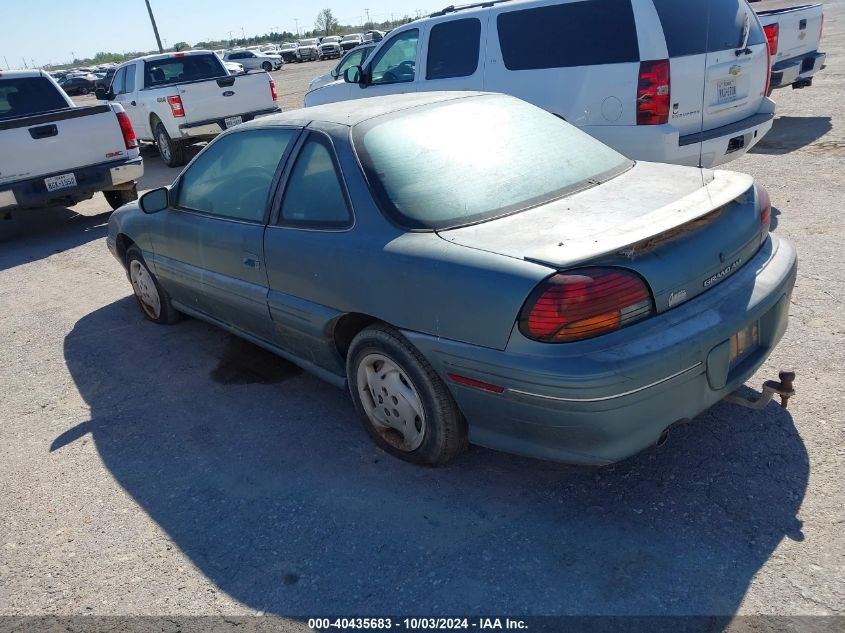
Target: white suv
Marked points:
253	60
658	80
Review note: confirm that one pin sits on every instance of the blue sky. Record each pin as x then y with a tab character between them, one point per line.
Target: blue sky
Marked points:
51	30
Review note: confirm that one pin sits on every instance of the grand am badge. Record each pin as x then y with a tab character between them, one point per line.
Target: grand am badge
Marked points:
719	276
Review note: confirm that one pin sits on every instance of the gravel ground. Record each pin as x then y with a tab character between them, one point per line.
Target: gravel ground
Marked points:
175	471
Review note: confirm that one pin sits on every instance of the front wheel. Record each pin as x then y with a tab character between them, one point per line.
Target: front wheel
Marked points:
118	197
153	300
172	152
404	405
267	66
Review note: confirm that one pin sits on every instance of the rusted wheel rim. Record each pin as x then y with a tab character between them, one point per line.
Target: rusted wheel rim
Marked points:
145	289
391	402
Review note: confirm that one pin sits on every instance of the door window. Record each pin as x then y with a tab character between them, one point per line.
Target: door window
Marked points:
117	82
453	49
397	61
232	177
129	84
354	58
314	196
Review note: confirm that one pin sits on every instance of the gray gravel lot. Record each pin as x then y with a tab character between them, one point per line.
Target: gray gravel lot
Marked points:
175	471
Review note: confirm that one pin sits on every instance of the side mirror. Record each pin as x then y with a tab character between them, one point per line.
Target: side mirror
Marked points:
155	200
353	75
333	73
103	94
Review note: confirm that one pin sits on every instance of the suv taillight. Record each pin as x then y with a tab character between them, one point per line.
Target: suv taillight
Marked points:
273	92
176	106
129	138
772	36
653	93
583	303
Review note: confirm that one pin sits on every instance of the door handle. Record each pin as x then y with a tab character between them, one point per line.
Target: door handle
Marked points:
251	260
133	103
45	131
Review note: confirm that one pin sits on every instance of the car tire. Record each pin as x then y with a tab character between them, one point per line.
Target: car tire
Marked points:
83	91
171	152
407	410
152	298
267	66
118	197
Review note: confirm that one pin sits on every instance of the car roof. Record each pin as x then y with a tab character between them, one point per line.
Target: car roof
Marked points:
355	111
13	74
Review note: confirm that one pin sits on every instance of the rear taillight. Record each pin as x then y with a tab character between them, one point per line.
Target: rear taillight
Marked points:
768	83
273	92
129	138
765	204
653	93
176	106
772	36
583	303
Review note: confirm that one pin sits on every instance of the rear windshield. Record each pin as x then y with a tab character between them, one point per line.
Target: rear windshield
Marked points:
570	34
469	160
28	95
694	27
178	69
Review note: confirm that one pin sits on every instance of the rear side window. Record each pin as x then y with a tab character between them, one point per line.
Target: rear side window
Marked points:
584	33
694	27
28	95
453	49
178	69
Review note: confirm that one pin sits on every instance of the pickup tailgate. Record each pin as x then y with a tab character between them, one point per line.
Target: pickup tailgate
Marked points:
59	141
226	96
799	27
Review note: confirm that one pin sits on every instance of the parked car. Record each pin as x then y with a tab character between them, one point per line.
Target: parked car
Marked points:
330	47
78	85
348	42
473	269
308	50
177	99
355	57
289	52
254	60
373	36
234	68
659	80
794	32
55	153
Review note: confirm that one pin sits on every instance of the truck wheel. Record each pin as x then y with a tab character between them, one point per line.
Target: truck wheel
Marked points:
267	66
118	197
172	152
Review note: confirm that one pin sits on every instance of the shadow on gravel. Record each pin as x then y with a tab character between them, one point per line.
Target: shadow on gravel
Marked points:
272	489
789	133
33	234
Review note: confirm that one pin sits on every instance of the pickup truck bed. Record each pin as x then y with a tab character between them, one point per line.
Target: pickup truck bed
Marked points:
794	32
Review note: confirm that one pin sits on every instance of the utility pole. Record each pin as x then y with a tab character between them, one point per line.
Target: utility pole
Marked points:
296	20
367	11
7	63
243	35
155	28
24	63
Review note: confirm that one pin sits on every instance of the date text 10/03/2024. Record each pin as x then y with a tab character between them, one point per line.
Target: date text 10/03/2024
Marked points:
416	624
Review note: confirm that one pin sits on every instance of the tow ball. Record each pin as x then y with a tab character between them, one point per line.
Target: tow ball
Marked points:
771	388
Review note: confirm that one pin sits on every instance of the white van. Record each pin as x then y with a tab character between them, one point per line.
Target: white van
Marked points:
671	81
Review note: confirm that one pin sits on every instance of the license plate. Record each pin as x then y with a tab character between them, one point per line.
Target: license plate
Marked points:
744	342
54	183
726	90
232	121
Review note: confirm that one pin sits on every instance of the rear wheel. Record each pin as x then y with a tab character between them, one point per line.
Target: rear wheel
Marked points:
267	66
404	406
172	152
118	197
153	300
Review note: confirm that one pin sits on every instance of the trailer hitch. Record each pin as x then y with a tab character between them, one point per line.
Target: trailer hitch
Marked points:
771	388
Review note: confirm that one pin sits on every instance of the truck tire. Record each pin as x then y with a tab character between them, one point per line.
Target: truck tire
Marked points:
118	197
172	152
267	66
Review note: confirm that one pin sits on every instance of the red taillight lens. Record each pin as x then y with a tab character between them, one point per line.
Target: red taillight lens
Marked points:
176	106
584	303
772	36
653	93
273	89
126	129
765	204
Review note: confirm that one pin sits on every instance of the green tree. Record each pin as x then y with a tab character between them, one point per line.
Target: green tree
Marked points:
181	46
326	23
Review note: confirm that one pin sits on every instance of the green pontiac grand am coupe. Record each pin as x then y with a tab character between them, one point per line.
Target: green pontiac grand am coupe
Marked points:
473	269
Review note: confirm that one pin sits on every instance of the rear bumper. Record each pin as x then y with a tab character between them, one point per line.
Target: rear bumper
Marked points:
602	400
797	70
102	177
212	127
664	144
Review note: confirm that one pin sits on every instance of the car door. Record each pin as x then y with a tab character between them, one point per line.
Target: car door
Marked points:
393	66
310	226
211	257
126	95
452	59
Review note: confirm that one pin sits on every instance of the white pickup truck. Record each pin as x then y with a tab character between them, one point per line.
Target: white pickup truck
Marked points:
177	99
52	152
794	32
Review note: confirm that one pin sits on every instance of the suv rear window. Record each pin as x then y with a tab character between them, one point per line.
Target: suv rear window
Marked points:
25	96
583	33
453	49
178	69
691	30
